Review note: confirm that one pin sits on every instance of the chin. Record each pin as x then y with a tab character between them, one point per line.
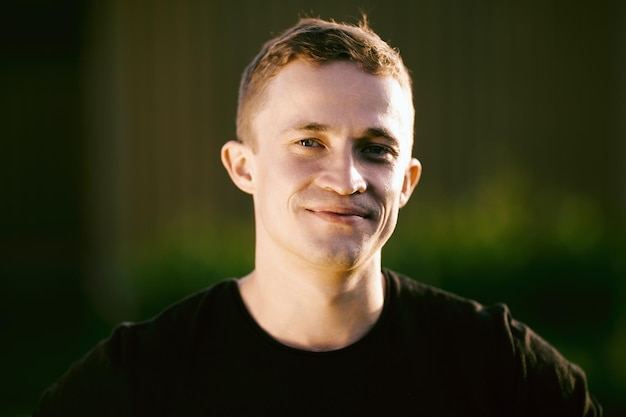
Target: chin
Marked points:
340	259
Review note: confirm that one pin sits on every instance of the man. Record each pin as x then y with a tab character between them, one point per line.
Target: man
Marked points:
325	135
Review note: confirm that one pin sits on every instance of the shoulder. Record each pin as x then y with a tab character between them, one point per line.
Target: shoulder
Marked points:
442	308
167	337
530	373
135	354
446	324
184	314
442	314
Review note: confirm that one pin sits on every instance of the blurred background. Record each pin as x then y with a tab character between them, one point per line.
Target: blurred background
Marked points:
115	203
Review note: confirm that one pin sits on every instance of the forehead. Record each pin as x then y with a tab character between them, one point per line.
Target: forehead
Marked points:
339	95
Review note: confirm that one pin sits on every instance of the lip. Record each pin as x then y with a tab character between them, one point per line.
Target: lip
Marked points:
340	214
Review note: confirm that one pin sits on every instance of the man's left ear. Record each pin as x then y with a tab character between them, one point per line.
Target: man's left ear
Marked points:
411	178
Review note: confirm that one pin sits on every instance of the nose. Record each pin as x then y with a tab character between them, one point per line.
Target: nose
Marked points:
341	174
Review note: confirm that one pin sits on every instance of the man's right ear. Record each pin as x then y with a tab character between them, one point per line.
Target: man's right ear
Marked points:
238	159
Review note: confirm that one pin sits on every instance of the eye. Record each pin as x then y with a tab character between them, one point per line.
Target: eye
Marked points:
308	143
377	150
307	146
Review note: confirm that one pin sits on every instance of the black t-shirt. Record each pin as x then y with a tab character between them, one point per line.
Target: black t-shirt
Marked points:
431	353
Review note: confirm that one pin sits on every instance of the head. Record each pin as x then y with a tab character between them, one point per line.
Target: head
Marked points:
319	42
325	126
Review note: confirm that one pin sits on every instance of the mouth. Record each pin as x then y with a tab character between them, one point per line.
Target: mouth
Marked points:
341	213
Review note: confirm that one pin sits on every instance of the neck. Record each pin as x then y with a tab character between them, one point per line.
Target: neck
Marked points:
316	310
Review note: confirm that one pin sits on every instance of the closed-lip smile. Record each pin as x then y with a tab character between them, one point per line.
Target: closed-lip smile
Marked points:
341	211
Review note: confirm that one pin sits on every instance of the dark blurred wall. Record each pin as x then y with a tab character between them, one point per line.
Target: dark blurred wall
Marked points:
42	214
530	87
115	202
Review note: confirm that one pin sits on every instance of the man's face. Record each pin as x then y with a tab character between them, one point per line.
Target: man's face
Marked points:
332	165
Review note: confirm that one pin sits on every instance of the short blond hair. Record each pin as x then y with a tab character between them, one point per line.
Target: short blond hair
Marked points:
317	41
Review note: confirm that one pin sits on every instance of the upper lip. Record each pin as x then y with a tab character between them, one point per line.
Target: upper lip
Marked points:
343	210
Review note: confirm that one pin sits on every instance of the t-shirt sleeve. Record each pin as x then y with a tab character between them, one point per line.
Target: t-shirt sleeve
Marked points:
94	386
548	384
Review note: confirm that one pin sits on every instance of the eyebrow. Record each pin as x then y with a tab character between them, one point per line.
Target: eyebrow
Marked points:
308	127
380	132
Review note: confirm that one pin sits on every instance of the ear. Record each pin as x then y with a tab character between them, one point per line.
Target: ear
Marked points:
411	178
238	159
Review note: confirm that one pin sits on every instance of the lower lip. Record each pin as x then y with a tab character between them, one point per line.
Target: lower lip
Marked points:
337	218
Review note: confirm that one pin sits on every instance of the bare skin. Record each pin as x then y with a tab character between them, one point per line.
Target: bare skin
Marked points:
331	168
314	317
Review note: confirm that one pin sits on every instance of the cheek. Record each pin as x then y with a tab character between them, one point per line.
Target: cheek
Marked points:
281	176
293	172
389	185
